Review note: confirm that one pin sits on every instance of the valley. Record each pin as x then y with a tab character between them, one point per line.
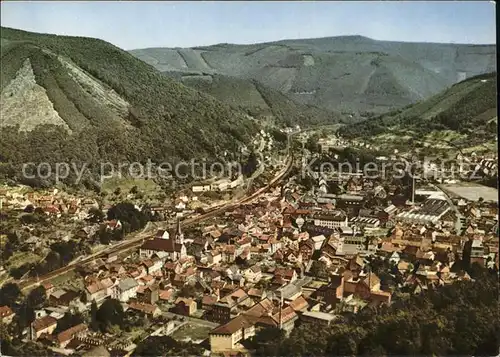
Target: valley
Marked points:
313	192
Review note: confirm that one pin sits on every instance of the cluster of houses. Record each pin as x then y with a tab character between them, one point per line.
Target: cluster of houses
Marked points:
289	256
53	204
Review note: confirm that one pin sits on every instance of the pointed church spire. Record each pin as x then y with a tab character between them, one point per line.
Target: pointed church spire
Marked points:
178	227
179	236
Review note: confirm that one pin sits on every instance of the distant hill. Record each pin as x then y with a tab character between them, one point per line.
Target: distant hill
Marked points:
258	100
468	108
82	99
349	74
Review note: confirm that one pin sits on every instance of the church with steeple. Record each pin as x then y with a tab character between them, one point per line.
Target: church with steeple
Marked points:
165	245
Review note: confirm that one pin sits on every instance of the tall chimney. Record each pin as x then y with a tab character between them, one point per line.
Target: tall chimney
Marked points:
281	308
369	278
413	189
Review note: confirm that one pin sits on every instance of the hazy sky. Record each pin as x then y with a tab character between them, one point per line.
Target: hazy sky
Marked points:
182	24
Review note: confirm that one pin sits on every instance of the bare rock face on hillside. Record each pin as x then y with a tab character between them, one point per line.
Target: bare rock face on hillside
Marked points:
25	103
96	89
83	99
351	74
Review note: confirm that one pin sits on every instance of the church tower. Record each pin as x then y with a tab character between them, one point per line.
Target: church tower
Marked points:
179	236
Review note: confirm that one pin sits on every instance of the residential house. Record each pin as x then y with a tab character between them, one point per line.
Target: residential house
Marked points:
477	251
222	310
289	292
233	273
166	295
148	294
273	314
99	290
425	257
152	265
111	257
45	324
228	253
185	306
252	274
208	301
49	288
333	292
256	294
113	225
144	309
362	286
226	337
380	297
300	304
318	241
126	289
306	249
356	265
286	274
214	257
65	337
63	297
291	256
394	258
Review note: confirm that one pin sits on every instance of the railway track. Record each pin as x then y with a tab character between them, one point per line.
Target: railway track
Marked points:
139	239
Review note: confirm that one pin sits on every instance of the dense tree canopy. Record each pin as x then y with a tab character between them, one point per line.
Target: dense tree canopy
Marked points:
126	212
457	319
9	294
110	313
166	346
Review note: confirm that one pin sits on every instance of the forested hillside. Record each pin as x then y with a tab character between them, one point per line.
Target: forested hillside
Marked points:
461	319
468	107
258	100
349	74
85	100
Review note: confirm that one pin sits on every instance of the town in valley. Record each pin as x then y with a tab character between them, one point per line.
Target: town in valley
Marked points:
326	196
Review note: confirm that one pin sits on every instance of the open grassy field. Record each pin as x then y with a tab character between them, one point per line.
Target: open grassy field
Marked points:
472	191
125	184
20	258
191	331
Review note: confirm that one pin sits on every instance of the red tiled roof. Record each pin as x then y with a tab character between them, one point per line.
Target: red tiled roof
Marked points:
186	301
143	307
287	314
209	300
255	292
68	334
47	285
162	245
44	322
299	304
165	294
233	326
